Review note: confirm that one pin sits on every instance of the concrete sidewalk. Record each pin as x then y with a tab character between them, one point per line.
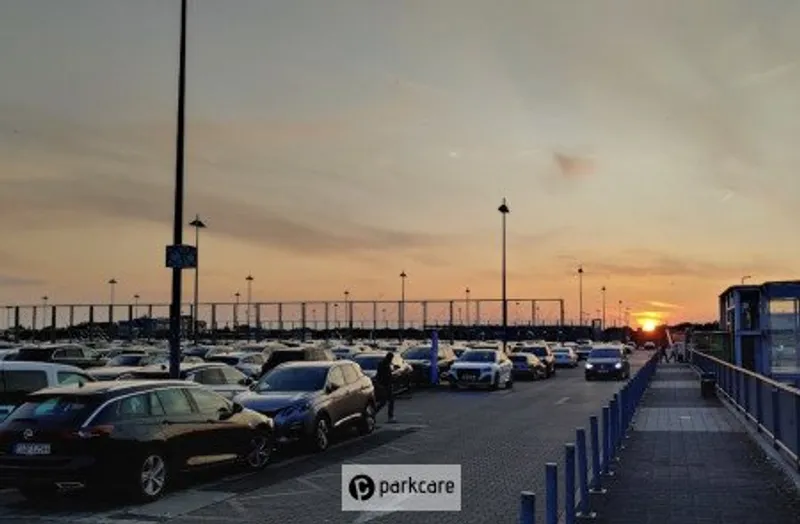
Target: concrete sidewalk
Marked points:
688	460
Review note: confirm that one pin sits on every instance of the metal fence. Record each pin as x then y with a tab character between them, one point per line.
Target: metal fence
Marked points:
773	408
286	316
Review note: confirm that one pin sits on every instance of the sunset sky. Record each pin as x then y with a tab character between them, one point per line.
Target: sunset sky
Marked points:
333	144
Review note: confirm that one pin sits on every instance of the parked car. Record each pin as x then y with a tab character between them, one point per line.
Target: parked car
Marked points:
609	362
248	363
543	353
69	354
482	367
528	365
221	378
306	354
309	400
419	357
126	363
565	357
402	372
130	436
18	379
583	348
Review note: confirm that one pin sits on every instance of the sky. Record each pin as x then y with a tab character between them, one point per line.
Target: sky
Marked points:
332	145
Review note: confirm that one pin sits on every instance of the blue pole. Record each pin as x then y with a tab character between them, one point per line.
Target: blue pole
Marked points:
594	434
527	510
618	430
606	439
583	470
434	371
569	483
551	487
614	413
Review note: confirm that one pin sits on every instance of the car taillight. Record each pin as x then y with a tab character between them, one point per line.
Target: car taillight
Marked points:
94	432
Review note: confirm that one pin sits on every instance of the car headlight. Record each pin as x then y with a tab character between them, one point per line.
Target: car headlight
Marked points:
589	366
618	365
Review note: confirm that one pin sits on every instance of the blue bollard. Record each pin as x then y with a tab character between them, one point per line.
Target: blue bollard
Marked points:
569	483
551	492
594	434
527	508
776	417
613	430
619	431
583	470
606	440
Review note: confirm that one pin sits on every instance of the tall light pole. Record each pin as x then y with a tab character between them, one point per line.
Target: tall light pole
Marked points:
603	292
336	315
112	284
136	305
580	296
177	234
236	297
403	277
504	210
197	224
620	313
44	312
466	304
347	318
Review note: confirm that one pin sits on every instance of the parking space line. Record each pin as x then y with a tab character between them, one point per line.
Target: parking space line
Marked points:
370	515
275	495
398	449
323	475
307	483
562	401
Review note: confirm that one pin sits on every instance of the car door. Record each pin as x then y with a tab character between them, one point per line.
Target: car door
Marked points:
211	378
336	392
354	400
222	439
184	426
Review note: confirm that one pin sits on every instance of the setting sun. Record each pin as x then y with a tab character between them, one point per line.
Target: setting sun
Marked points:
649	325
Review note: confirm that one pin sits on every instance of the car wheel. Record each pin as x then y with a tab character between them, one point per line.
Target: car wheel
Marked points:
260	451
321	439
151	478
38	493
367	424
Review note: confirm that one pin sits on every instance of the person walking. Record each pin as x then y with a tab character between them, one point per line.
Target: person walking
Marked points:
383	379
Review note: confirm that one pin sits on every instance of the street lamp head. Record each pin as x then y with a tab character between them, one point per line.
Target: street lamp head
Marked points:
467	291
346	293
249	278
45	298
112	281
403	274
199	224
237	294
504	207
580	270
137	297
603	289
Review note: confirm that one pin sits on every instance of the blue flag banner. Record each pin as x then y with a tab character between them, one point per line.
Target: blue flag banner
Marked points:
435	357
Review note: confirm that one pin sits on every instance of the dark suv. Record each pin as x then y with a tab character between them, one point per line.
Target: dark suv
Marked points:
308	400
128	436
307	354
608	362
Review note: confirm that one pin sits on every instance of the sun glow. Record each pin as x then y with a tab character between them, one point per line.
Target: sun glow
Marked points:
649	325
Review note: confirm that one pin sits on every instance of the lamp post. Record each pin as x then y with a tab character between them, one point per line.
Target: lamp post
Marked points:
619	313
112	284
44	312
384	319
580	296
336	315
177	234
249	279
347	318
314	318
236	296
603	292
403	277
136	305
504	210
197	224
466	306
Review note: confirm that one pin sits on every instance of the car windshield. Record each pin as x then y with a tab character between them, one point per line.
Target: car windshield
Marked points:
605	353
231	361
293	379
478	356
54	409
125	360
421	353
370	362
539	351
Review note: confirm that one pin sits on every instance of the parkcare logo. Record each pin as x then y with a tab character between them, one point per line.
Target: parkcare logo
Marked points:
406	487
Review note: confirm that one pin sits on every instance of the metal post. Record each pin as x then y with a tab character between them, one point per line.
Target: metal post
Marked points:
594	435
374	317
504	210
583	470
607	453
580	296
402	310
303	313
527	510
71	316
258	320
569	483
177	280
424	314
452	333
280	317
551	492
214	321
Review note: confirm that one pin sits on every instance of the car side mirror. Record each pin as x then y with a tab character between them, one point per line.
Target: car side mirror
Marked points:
247	381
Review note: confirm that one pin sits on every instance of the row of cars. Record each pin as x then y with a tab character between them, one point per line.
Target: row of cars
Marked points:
122	424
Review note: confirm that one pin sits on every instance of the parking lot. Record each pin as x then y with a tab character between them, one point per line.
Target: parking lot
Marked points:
501	439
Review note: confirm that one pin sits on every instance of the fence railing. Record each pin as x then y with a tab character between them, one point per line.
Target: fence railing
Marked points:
773	408
588	460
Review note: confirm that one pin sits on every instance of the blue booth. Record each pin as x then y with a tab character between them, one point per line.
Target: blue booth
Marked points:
763	322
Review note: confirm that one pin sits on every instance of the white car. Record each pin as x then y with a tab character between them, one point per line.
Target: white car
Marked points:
482	367
17	379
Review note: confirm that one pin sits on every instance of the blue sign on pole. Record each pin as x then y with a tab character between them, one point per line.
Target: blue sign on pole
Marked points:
435	357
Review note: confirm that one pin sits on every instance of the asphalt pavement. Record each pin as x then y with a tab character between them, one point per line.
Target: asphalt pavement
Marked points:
502	440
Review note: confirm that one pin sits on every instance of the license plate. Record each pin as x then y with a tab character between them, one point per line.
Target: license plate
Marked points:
602	371
32	449
468	378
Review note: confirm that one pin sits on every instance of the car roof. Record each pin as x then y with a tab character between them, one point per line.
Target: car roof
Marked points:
312	363
22	365
235	354
113	387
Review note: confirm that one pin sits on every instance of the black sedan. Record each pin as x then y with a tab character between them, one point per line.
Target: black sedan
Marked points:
402	372
528	365
607	363
128	437
419	357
